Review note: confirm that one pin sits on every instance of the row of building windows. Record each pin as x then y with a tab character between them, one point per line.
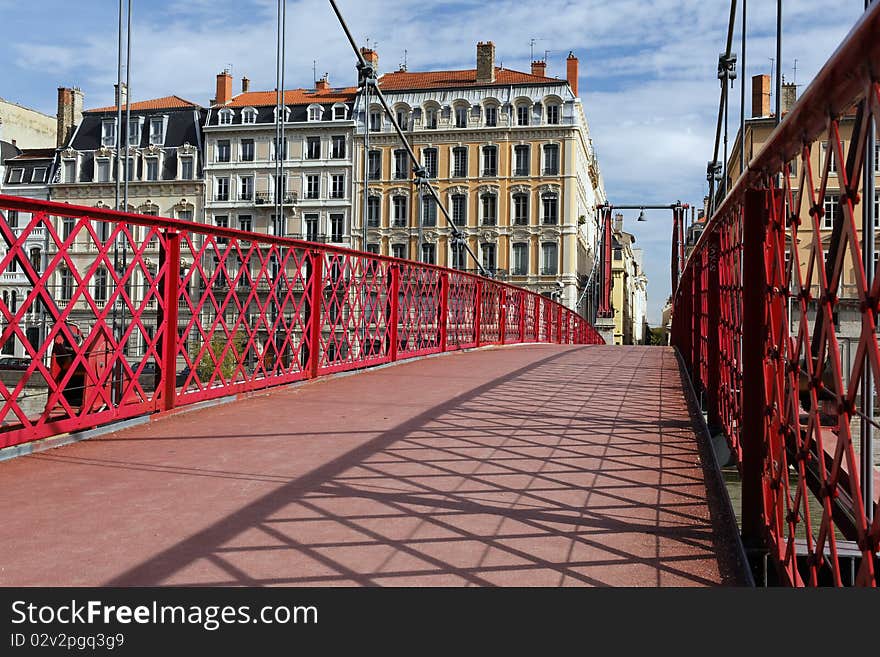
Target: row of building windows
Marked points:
248	115
522	162
313	149
223	188
459	258
158	125
831	211
463	115
311	225
149	169
458	204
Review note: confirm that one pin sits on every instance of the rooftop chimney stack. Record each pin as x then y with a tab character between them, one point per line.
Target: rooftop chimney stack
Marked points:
70	108
485	62
571	72
789	95
224	88
760	95
245	85
120	96
372	58
618	223
539	67
323	84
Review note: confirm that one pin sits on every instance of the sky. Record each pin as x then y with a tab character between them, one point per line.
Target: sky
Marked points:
648	68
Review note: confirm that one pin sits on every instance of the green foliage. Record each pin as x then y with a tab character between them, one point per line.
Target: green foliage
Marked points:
658	336
227	362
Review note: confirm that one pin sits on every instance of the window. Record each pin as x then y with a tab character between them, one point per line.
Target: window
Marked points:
279	153
828	152
152	168
431	119
372	247
831	205
69	171
221	221
337	147
490	160
553	114
461	116
521	209
551	159
313	186
225	117
877	157
337	226
548	254
402	117
398	250
66	284
490	209
157	131
459	209
374	209
185	215
134	133
313	148
311	227
430	158
337	185
522	114
521	158
401	160
374	165
429	210
67	224
315	113
102	169
399	204
491	116
16	176
877	211
550	205
339	113
459	255
520	259
277	225
100	293
131	171
12	219
187	168
247	150
246	188
489	260
428	253
36	259
224	150
39	175
245	222
249	115
108	133
222	189
459	162
375	121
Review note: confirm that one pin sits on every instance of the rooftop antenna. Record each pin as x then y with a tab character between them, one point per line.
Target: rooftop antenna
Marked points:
532	42
795	73
315	72
546	54
404	59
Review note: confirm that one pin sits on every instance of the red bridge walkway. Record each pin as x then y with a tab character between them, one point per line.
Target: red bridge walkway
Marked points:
532	465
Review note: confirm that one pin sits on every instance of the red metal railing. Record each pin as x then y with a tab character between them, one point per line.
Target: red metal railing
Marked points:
119	315
759	319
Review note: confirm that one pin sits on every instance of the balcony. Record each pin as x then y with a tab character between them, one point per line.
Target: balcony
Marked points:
268	198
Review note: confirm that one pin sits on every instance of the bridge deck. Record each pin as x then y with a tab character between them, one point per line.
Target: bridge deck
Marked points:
534	465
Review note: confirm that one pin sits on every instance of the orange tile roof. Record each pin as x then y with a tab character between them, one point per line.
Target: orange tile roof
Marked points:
167	102
400	80
292	97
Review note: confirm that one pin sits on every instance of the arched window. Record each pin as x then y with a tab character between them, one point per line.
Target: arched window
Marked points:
249	115
66	291
315	112
36	258
225	116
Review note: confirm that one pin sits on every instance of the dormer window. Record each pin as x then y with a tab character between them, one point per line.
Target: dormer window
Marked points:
375	121
286	114
108	133
225	117
339	112
134	132
553	114
39	175
315	112
16	176
157	131
522	114
249	115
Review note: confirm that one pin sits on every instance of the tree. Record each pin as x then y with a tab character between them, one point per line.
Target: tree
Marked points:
226	363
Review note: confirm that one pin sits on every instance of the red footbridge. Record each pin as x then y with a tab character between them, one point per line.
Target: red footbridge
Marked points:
204	406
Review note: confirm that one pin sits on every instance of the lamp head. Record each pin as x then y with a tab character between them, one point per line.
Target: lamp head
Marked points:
642	216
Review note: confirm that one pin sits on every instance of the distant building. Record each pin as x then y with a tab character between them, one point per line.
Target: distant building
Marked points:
26	128
629	287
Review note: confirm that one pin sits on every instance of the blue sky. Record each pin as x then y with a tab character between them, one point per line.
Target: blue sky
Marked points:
648	67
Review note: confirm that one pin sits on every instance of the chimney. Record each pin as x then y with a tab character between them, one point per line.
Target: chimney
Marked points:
70	108
323	84
120	97
571	72
539	68
618	223
485	62
224	88
789	95
245	85
760	95
372	58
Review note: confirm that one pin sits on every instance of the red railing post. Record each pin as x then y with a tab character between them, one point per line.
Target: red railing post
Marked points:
316	296
502	311
478	313
444	309
521	301
696	330
394	311
559	324
754	298
713	348
169	343
536	300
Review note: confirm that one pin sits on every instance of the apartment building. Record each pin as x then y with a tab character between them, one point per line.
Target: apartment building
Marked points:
242	153
510	155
